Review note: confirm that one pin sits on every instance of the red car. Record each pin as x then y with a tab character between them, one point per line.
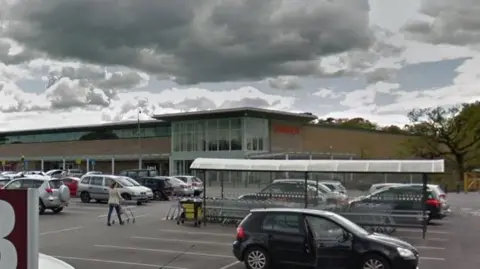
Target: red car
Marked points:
72	184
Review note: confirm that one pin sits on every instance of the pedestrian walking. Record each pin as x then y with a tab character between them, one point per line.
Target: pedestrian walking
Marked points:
114	199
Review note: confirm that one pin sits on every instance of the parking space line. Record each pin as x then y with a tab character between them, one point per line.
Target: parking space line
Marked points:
230	265
182	241
431	258
198	233
62	230
166	251
420	231
117	262
426	247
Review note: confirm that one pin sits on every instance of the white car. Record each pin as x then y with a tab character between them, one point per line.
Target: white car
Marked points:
49	262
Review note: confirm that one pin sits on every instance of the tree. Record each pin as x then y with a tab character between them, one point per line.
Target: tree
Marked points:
452	133
360	123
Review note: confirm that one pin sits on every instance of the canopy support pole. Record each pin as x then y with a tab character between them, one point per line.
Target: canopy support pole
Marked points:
305	190
204	209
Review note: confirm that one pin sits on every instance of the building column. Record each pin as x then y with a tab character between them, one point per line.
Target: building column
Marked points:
286	173
64	164
42	165
88	165
113	166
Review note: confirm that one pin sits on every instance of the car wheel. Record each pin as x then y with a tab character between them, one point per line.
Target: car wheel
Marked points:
256	258
85	197
57	210
41	207
375	262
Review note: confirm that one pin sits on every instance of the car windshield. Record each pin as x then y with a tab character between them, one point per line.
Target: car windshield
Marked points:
55	184
350	226
175	181
133	181
124	182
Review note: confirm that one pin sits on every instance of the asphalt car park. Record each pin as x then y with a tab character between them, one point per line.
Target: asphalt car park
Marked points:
80	236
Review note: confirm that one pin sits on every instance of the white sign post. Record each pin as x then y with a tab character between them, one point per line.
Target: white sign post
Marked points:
19	230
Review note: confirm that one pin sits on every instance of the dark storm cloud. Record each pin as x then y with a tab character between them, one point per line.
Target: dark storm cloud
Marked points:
454	22
195	40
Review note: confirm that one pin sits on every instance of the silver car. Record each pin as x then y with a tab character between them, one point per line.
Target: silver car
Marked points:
53	194
193	181
136	184
180	188
95	187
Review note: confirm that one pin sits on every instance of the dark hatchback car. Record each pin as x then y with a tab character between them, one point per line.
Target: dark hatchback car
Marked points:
139	173
409	197
161	187
306	238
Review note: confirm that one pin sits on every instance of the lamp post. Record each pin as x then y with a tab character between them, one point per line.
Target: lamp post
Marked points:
139	140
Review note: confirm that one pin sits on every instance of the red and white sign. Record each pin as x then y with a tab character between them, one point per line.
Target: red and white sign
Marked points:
19	229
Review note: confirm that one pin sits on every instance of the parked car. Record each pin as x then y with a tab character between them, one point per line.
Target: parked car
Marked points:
137	184
57	173
161	186
72	184
376	187
137	173
180	188
49	262
53	194
287	237
93	173
407	197
73	173
334	186
96	187
193	181
333	197
290	192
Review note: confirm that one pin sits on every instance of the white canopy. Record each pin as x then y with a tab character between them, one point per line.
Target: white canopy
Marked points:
345	166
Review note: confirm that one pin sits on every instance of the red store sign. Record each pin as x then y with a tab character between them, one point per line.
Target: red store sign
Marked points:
286	129
19	229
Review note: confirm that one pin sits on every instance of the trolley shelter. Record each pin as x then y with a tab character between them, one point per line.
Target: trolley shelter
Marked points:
423	167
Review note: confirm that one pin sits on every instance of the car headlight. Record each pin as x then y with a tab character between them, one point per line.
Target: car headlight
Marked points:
405	253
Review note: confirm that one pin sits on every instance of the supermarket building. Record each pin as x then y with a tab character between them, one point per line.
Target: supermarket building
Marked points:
172	141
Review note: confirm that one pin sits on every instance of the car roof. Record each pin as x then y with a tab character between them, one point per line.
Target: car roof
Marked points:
33	177
330	182
294	210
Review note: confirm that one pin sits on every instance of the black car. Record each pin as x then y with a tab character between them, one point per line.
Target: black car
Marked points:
287	191
308	238
161	187
408	197
139	173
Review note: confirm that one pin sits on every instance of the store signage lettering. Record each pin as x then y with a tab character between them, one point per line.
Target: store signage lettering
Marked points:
18	238
285	129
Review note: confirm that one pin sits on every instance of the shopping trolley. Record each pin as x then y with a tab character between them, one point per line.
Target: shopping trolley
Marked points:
127	212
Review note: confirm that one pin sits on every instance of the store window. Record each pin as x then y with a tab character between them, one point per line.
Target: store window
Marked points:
256	131
212	135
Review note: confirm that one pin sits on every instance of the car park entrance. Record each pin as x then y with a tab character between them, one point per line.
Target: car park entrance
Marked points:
382	211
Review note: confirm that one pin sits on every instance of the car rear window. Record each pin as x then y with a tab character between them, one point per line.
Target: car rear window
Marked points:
55	184
67	180
184	179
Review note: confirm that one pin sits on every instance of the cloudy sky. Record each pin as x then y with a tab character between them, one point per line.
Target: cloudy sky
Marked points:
72	62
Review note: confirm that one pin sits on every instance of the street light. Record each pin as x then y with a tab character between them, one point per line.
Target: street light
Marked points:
139	140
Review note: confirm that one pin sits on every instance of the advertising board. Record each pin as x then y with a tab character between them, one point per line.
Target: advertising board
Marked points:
19	230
